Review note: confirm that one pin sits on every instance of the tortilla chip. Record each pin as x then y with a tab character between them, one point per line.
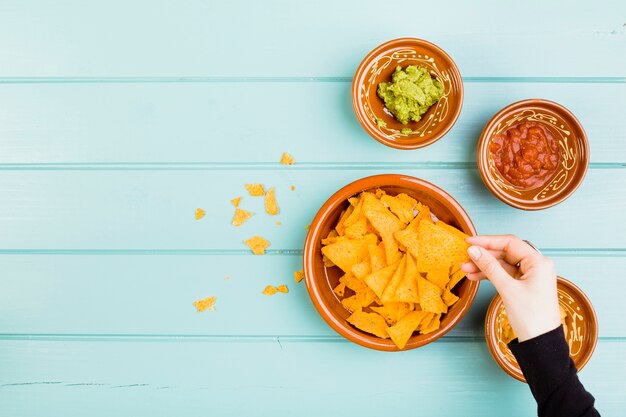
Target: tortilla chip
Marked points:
423	213
199	214
271	206
400	205
434	324
409	238
449	298
341	227
357	229
202	305
354	283
257	244
407	291
346	252
357	204
392	312
430	297
235	201
362	269
377	256
379	193
455	278
282	288
287	159
369	322
378	280
358	300
401	332
255	190
340	289
389	292
439	277
270	290
241	216
298	275
439	248
327	262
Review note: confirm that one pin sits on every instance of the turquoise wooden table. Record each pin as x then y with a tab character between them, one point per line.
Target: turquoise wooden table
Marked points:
118	119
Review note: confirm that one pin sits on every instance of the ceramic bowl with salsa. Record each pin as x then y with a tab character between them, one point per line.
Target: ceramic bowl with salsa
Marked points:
533	154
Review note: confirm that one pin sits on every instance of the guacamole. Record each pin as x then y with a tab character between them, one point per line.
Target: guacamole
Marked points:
410	93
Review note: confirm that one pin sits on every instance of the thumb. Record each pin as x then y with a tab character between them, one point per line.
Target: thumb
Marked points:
488	264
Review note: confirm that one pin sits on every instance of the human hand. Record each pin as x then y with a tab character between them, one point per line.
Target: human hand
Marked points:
524	278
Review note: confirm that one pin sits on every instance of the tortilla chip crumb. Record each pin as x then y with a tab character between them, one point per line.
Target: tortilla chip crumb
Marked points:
282	288
298	275
235	201
255	190
199	214
271	206
277	223
293	188
202	305
307	227
227	278
241	216
287	159
270	290
257	244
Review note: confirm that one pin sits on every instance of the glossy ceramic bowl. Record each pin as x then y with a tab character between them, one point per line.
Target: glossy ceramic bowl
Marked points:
582	329
572	142
320	280
378	67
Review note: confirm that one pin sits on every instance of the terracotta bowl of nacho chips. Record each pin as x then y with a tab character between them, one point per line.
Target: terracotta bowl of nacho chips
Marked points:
578	319
382	262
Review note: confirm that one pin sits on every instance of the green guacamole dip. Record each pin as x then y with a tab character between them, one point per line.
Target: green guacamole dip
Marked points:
410	93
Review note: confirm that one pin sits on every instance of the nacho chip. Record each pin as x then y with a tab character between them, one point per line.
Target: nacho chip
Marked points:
401	332
392	312
361	269
430	297
199	214
423	212
270	290
293	188
378	280
241	216
434	324
354	283
439	248
327	262
298	275
379	193
287	159
341	227
455	278
407	291
357	229
340	289
408	238
358	300
439	277
282	288
357	207
449	298
398	275
203	304
346	252
400	205
271	206
257	244
255	190
377	256
235	201
370	323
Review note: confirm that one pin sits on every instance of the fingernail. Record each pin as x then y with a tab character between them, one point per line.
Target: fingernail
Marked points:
473	252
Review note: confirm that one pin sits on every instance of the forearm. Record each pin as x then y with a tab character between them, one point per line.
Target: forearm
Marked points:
551	376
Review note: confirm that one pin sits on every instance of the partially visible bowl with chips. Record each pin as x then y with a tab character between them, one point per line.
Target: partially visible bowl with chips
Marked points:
382	262
407	93
578	319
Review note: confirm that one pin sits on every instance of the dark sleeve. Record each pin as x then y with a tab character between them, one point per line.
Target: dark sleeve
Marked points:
551	376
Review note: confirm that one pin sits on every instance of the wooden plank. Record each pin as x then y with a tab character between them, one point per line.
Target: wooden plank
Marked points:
152	295
154	209
204	123
184	378
324	38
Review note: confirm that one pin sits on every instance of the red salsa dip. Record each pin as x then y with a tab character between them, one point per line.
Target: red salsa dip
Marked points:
526	154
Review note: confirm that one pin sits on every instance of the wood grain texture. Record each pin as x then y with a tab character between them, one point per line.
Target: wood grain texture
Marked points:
205	123
307	39
152	295
281	378
155	209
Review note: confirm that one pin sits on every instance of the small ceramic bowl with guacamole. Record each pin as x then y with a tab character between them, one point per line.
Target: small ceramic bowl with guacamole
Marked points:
533	154
407	93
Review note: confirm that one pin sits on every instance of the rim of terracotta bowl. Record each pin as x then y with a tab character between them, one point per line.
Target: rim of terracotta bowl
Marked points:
553	191
513	369
312	257
410	141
